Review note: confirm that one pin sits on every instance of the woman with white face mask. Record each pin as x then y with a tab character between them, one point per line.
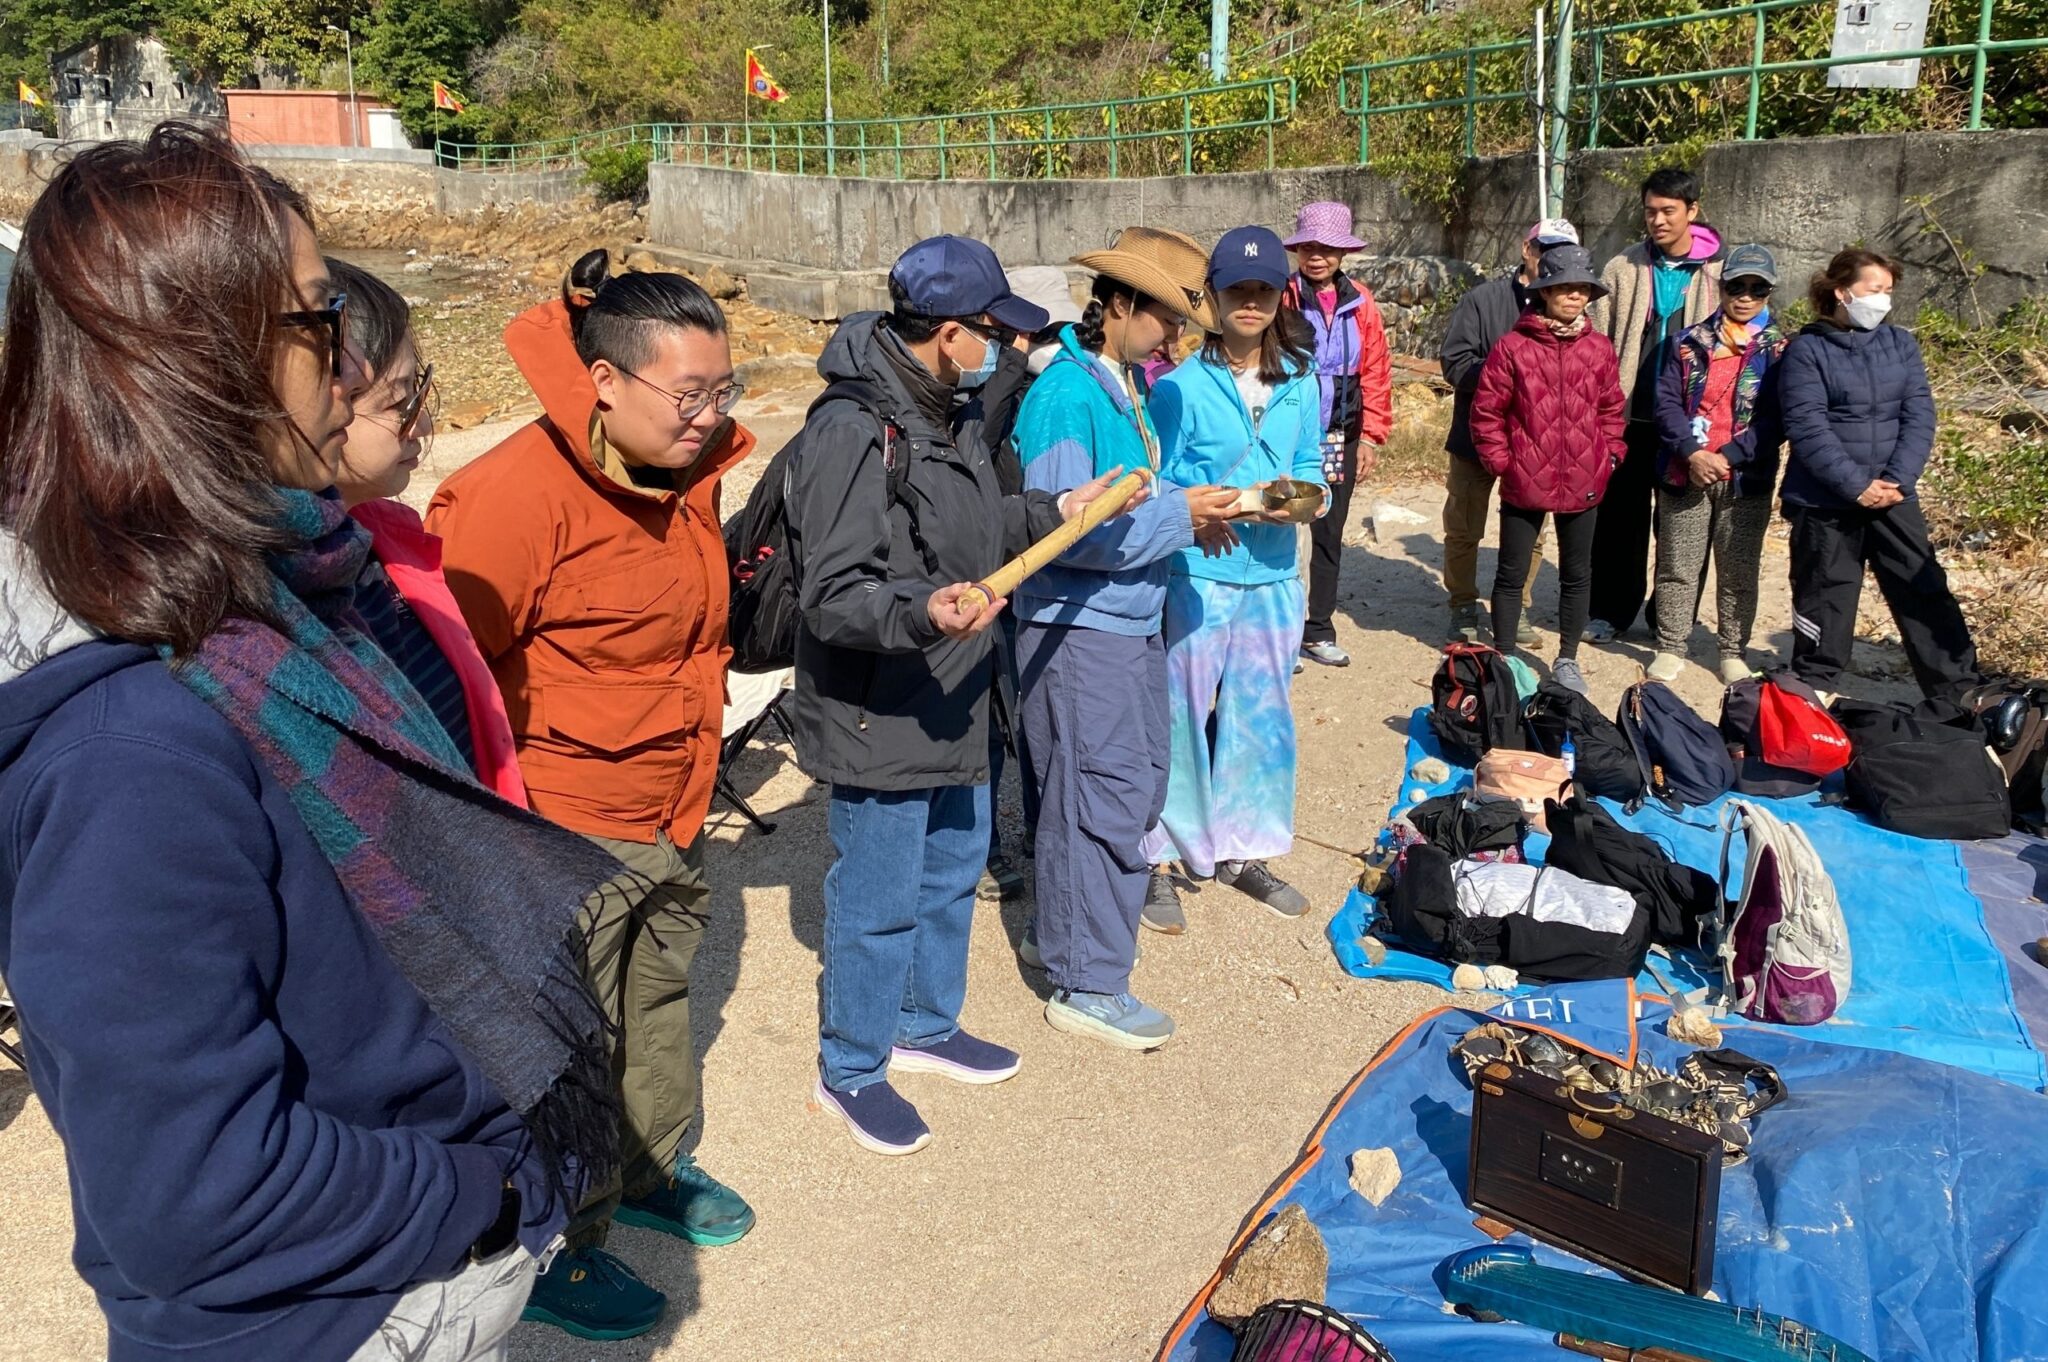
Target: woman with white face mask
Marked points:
1860	418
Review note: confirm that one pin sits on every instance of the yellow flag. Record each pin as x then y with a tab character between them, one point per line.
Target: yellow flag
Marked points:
27	95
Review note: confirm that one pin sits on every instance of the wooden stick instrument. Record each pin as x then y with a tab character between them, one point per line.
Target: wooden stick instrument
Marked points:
1006	578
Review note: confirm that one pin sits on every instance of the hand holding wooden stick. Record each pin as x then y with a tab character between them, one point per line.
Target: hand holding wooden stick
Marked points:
1005	579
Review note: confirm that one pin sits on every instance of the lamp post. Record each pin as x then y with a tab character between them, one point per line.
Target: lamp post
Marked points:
348	48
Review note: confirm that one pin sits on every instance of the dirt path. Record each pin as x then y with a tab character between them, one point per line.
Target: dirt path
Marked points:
1067	1214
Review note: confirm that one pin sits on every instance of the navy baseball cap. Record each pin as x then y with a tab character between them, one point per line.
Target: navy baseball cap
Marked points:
952	277
1245	254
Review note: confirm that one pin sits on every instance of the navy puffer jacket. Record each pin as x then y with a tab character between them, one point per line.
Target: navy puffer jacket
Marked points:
1856	407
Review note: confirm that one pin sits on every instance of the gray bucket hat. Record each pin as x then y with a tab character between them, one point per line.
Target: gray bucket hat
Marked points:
1568	265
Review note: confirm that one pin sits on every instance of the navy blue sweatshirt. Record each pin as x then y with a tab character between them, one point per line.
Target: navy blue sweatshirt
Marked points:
269	1136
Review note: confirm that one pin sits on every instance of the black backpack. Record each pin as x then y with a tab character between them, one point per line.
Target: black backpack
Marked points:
1473	704
1603	761
1422	910
761	623
1589	842
1740	705
1681	756
2014	715
1461	823
1923	770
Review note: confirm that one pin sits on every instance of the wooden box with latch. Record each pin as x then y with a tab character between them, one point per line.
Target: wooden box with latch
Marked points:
1580	1171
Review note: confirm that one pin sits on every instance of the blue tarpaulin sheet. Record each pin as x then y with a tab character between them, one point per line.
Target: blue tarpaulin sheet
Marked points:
1929	979
1897	1204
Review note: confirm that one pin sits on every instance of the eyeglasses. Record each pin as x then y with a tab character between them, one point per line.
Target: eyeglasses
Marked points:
1746	288
689	404
1001	335
333	317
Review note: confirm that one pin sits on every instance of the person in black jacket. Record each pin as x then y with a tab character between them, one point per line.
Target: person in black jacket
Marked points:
893	673
1860	417
1481	318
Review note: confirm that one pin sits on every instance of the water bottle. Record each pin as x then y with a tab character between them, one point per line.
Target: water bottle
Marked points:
1569	755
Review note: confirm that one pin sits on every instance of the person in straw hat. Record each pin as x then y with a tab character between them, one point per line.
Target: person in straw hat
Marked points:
1246	412
1356	376
1089	644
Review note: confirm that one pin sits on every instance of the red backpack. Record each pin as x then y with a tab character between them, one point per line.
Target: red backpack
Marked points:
1795	731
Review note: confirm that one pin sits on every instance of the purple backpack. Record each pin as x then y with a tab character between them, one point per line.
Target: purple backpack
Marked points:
1784	950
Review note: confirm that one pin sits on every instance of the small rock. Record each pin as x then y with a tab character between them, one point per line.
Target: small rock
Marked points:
1692	1026
1285	1262
1375	950
463	415
1375	1173
1468	978
1388	513
418	267
1501	977
719	284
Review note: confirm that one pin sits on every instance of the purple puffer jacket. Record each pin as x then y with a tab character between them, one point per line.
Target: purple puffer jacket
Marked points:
1548	417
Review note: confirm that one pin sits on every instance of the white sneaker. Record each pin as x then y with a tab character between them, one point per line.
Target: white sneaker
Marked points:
1666	667
1735	669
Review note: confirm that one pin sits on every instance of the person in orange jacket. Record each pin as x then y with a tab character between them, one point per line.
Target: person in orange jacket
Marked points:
586	555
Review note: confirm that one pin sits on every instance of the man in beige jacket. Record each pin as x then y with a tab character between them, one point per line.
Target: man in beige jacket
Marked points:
1655	289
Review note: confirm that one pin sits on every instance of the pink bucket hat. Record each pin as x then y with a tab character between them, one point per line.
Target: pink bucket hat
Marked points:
1324	224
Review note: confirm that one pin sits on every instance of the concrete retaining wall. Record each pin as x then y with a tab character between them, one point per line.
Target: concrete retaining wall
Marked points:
824	246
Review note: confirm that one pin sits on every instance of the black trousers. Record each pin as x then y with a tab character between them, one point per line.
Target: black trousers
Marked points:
1623	546
1577	533
1830	549
1325	547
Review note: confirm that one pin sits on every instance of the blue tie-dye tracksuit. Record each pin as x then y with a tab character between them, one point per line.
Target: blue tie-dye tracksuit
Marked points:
1233	623
1092	672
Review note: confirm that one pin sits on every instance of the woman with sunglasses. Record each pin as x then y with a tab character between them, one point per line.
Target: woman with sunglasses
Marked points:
300	997
1717	421
402	595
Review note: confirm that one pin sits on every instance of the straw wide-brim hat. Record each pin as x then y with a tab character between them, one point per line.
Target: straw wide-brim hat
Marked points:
1161	264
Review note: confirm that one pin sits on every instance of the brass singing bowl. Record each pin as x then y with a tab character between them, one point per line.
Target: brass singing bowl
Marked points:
1297	501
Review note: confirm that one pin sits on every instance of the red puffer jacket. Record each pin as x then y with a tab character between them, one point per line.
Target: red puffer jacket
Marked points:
1548	417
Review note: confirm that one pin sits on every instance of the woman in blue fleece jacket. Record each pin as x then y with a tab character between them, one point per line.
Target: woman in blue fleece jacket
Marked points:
1246	412
1089	652
299	996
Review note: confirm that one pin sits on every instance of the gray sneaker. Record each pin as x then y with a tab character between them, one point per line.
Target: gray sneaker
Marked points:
1117	1019
1027	949
1464	624
1525	633
1598	631
1566	673
1327	653
1162	912
1254	879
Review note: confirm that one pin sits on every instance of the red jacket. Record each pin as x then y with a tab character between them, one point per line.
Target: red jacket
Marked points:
1548	417
1352	361
412	560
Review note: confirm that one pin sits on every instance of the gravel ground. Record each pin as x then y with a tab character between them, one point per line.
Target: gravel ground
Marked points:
1067	1214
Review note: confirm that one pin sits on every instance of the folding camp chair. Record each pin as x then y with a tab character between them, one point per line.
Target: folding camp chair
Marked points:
9	1020
753	699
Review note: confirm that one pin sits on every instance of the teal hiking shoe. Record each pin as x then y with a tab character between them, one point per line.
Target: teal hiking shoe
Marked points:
691	1205
591	1294
1113	1018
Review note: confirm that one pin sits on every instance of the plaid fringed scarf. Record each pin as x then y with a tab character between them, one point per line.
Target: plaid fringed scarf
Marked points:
475	900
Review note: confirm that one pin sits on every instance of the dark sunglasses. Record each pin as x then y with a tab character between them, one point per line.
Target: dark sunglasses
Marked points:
1001	335
409	410
1746	288
689	404
334	317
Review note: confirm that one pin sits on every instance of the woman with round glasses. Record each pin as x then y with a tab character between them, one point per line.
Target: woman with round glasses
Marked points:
300	996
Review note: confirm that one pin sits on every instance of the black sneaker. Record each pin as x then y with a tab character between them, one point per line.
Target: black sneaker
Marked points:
1252	877
1162	911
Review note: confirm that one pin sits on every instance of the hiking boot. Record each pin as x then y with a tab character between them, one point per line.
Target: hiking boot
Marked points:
1734	669
593	1295
1464	624
691	1205
1327	653
1162	911
959	1057
1001	882
877	1117
1598	631
1665	667
1253	878
1117	1019
1566	673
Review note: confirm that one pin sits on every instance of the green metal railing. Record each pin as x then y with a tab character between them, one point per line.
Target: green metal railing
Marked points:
1209	128
1355	84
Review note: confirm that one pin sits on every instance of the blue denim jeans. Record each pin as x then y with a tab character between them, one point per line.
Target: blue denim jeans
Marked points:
899	904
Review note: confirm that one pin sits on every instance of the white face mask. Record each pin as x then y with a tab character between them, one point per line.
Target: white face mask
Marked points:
1867	310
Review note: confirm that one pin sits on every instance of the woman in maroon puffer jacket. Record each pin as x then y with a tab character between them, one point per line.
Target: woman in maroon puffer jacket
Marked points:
1547	420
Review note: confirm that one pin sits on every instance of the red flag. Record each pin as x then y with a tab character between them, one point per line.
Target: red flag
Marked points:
760	84
444	98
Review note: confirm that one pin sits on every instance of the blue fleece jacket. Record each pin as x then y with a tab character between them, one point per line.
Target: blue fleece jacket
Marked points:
1078	423
269	1136
1206	436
